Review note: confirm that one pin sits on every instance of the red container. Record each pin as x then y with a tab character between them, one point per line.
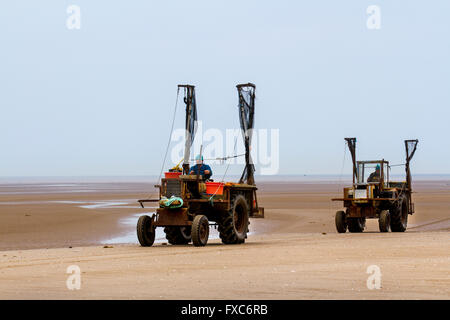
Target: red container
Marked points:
214	188
172	175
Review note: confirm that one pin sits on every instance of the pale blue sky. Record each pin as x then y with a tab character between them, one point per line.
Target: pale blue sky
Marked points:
98	101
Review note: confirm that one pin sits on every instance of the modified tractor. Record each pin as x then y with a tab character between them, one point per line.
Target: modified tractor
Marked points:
189	203
374	196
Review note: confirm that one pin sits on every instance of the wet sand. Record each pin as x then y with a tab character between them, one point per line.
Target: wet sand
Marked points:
294	253
63	215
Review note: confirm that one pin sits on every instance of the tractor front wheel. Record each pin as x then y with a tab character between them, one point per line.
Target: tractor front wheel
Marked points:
341	222
356	224
200	230
145	231
384	221
178	235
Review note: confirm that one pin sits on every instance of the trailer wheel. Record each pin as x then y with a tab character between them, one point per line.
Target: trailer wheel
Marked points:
399	215
145	231
356	224
341	222
200	230
178	235
233	227
384	221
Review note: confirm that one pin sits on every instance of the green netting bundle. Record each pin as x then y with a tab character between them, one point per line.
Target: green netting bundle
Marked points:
171	203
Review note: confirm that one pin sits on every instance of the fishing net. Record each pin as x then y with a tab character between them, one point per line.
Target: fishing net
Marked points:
411	146
191	113
246	109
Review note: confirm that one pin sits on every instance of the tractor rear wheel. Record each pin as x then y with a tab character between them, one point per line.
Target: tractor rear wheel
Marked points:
145	231
341	222
178	235
356	224
399	215
200	230
384	221
233	227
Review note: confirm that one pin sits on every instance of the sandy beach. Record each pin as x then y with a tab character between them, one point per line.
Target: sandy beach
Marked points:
294	253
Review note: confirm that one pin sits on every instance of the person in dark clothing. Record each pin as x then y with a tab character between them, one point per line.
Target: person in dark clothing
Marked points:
375	176
201	168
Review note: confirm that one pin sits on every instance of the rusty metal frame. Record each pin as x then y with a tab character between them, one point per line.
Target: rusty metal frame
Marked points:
351	143
191	115
248	173
382	162
409	156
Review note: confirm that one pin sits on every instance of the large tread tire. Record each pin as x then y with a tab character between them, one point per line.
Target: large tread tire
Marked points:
341	222
399	215
356	224
145	231
233	226
384	221
200	230
178	235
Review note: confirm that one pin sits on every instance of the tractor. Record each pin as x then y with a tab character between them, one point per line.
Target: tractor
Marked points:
197	203
374	196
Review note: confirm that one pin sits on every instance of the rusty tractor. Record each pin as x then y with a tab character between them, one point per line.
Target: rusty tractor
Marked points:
374	196
199	201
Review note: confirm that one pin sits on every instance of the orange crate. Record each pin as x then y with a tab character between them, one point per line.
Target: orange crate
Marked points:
172	175
214	188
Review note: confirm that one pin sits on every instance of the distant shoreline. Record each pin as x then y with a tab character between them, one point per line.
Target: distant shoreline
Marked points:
153	179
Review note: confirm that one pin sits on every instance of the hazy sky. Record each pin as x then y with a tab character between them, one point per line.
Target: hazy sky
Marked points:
99	100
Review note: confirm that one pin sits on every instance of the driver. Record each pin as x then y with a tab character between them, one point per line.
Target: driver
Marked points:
375	176
201	168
